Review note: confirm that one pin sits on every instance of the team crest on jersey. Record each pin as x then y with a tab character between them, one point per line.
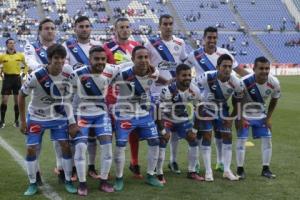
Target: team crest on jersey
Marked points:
42	54
47	84
176	48
150	82
268	92
214	87
229	90
75	50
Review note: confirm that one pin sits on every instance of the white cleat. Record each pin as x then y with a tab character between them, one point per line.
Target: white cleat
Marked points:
230	176
209	176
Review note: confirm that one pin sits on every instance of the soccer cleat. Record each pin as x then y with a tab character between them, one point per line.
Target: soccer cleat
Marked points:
219	167
198	168
105	186
152	180
39	179
194	176
135	169
241	173
2	124
209	176
31	190
119	184
16	124
92	172
161	178
82	189
230	176
267	173
174	167
70	187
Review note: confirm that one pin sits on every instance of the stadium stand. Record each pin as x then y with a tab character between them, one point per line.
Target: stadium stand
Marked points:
19	19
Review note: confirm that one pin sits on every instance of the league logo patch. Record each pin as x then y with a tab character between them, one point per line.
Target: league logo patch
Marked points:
176	48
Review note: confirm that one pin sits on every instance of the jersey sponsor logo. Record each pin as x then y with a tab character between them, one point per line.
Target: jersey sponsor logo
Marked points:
42	54
252	91
75	50
126	124
213	87
82	123
47	100
35	128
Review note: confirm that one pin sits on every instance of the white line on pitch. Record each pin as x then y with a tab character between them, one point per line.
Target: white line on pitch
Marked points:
46	189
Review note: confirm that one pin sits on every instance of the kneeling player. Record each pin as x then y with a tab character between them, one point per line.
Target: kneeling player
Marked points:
175	101
91	83
48	109
260	86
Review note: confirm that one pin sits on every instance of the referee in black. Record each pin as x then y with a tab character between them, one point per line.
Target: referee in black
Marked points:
12	64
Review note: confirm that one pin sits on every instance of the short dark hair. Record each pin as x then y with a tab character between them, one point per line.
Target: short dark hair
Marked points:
223	57
210	29
164	16
136	48
81	19
56	49
44	21
261	59
182	67
120	19
96	48
7	41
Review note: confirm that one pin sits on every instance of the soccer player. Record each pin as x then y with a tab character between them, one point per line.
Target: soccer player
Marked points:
119	51
78	55
218	86
13	63
48	109
260	87
90	83
36	57
166	52
132	111
205	59
175	100
35	54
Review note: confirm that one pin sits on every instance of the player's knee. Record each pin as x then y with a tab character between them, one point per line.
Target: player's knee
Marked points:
191	137
267	142
31	151
227	138
105	139
65	147
162	143
153	142
206	139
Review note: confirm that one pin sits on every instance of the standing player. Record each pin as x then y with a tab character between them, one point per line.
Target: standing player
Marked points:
218	86
91	83
260	86
205	59
166	52
132	111
118	51
77	56
175	100
13	63
48	109
35	54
